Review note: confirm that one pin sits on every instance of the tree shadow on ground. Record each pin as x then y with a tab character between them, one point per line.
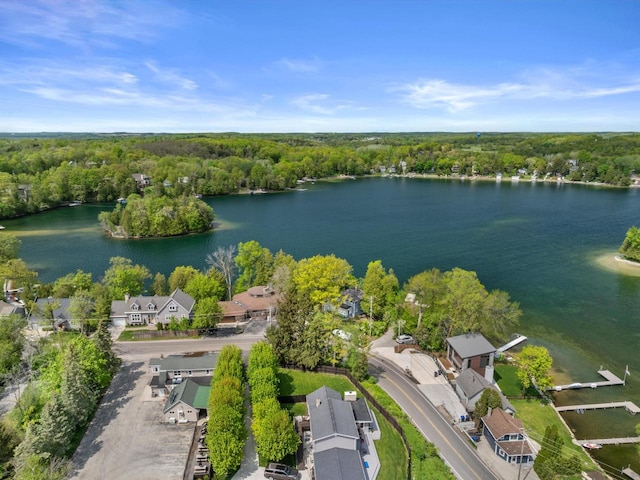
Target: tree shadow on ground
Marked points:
114	400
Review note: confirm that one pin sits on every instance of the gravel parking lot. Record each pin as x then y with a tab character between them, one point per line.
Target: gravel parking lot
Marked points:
127	438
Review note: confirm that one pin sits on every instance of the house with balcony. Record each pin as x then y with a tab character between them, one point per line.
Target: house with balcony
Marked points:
506	437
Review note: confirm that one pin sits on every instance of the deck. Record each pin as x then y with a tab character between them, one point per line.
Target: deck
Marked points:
511	344
611	380
631	474
630	407
608	441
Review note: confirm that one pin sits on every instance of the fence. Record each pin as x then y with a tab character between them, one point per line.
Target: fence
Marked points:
165	333
365	393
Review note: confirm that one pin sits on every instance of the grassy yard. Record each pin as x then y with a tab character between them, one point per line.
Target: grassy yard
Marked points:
393	456
295	409
507	379
297	382
536	416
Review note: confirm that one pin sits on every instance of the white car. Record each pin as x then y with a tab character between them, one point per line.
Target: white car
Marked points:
404	339
342	334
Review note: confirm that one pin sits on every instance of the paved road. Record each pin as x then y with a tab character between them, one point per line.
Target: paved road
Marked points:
456	452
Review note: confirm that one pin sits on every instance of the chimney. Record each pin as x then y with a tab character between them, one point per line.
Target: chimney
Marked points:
489	410
318	402
126	297
350	396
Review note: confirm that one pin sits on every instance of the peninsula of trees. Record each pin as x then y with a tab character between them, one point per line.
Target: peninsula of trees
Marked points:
153	216
39	173
630	247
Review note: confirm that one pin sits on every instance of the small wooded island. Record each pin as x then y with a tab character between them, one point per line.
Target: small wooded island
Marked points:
157	216
630	247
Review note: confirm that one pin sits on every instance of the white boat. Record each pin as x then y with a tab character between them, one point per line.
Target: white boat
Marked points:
1	227
75	204
592	446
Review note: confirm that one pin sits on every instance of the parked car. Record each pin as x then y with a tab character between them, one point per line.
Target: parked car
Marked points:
405	339
342	334
278	471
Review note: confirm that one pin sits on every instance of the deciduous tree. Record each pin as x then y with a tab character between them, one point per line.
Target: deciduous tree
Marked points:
534	366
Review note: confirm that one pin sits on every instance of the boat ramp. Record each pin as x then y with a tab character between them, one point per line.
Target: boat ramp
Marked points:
611	380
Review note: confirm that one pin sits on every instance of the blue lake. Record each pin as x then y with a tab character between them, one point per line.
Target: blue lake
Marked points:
548	245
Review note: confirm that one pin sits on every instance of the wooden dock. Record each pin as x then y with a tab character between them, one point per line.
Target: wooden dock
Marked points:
608	441
630	407
611	380
631	474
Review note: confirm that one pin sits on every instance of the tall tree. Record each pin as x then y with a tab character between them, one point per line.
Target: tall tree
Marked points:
322	278
463	302
207	313
255	264
81	308
181	276
123	277
222	259
294	311
534	366
379	287
202	286
160	286
9	246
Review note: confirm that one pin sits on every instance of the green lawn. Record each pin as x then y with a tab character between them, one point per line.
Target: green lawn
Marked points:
297	382
295	409
507	379
391	451
536	416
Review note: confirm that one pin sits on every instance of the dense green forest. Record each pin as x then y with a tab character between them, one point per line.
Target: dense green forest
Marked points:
39	173
153	216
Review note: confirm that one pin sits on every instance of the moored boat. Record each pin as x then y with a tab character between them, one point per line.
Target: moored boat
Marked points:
592	446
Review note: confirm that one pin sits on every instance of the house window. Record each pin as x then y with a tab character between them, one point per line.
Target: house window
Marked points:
173	307
207	372
136	318
134	307
177	373
151	306
155	369
189	373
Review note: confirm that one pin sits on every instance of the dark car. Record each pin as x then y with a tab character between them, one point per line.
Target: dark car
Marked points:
279	471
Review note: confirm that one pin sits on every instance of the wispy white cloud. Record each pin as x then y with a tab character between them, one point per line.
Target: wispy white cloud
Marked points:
547	83
300	65
171	77
82	22
317	103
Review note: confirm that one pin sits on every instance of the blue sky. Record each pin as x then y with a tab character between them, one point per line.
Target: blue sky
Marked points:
319	66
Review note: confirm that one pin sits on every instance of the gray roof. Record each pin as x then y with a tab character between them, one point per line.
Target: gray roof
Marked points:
59	313
7	309
121	307
361	411
207	361
330	415
471	382
338	464
470	345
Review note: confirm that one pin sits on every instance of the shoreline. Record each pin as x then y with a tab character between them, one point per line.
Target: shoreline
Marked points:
613	262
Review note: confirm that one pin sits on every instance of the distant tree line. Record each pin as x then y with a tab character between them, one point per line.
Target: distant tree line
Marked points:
41	173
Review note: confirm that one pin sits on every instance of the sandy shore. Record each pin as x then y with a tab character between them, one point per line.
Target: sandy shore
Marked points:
615	263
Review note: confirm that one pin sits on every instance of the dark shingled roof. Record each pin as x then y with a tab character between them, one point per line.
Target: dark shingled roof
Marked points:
361	411
180	362
190	393
330	415
471	382
338	464
470	345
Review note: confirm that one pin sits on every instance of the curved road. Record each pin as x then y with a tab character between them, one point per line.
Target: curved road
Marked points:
455	450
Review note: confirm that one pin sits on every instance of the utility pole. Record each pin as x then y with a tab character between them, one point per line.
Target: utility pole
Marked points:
370	314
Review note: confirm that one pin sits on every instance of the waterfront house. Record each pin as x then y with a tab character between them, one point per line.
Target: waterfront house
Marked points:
506	437
143	310
469	386
259	301
141	180
472	350
7	309
350	306
61	318
233	312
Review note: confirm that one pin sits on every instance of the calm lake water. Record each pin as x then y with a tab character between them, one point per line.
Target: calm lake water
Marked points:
539	242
